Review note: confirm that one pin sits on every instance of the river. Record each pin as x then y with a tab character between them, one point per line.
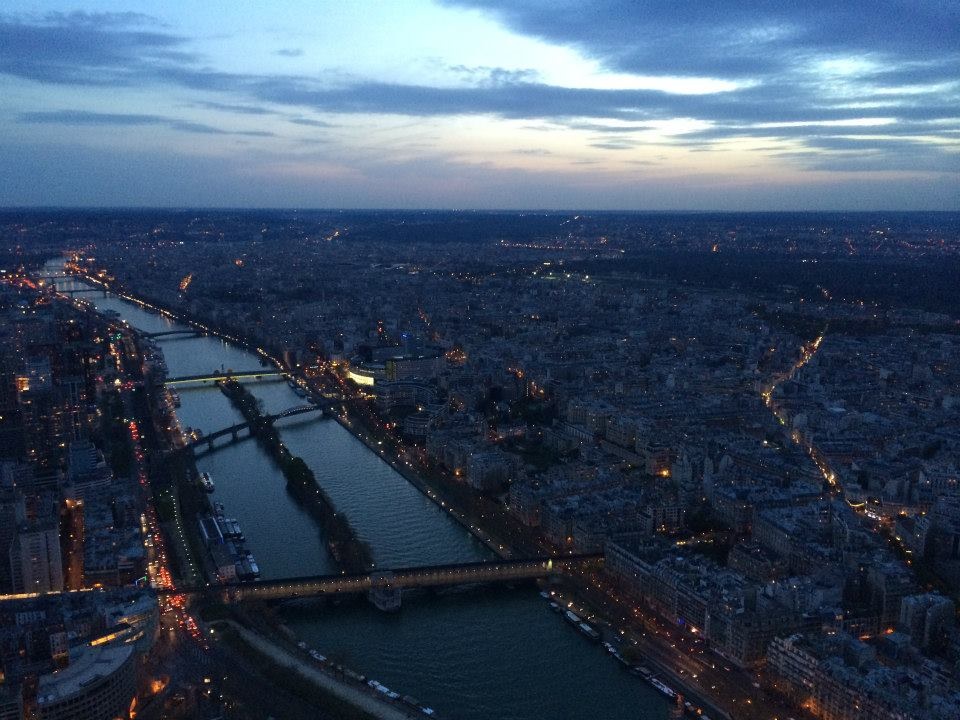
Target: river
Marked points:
479	654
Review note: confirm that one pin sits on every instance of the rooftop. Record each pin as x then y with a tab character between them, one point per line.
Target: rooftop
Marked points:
87	665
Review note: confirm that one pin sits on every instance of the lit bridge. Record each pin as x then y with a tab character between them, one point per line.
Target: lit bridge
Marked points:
56	282
496	571
234	430
226	375
80	291
173	333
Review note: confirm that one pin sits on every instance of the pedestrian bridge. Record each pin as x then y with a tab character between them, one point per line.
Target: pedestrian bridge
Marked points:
234	430
400	579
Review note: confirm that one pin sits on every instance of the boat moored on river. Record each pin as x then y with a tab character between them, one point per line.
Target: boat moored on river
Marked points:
588	631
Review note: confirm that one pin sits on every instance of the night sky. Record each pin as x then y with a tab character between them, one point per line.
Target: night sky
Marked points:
723	105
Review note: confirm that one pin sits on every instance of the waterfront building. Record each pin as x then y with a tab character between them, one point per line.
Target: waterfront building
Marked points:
704	599
489	470
404	394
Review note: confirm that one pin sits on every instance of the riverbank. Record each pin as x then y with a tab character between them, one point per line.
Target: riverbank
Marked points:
360	697
418	481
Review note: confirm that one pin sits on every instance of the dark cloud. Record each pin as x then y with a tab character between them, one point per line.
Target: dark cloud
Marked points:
100	19
856	154
732	114
288	52
774	50
70	50
735	38
82	117
613	145
894	138
486	76
819	60
85	49
238	109
518	100
600	127
310	122
899	157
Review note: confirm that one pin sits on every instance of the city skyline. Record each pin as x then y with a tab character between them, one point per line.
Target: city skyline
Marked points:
709	461
482	104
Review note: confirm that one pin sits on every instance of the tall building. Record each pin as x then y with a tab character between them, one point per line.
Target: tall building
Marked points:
11	702
35	560
11	432
926	618
10	509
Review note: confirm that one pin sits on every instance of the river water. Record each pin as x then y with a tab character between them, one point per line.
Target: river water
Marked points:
479	654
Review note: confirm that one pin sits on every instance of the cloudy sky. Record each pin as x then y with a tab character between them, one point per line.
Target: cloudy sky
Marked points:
712	104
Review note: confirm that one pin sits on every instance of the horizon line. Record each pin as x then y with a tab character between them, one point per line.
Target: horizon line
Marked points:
479	210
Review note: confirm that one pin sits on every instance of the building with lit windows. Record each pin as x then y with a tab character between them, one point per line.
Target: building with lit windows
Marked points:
838	677
98	684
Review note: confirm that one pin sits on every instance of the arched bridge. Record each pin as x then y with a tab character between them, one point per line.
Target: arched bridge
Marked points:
235	430
56	283
226	375
404	578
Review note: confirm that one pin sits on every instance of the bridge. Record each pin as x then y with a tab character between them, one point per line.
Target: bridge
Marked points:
53	280
401	579
79	291
171	333
54	277
234	430
225	375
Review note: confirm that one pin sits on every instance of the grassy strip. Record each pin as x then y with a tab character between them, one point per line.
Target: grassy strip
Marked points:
350	552
291	681
176	500
116	435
